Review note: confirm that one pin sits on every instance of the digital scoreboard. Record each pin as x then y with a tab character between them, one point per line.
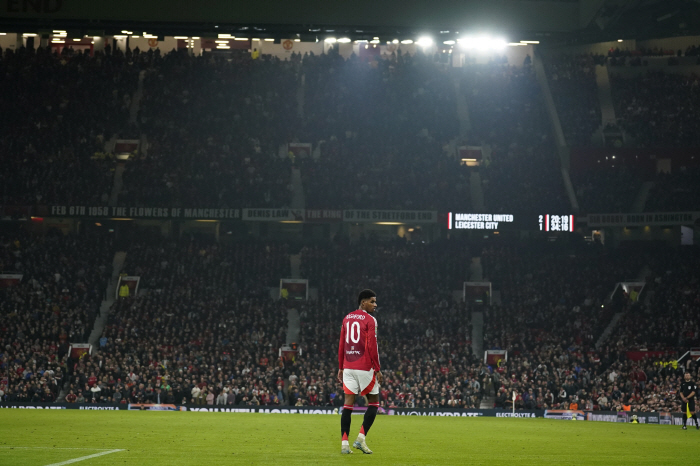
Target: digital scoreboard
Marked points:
548	222
494	222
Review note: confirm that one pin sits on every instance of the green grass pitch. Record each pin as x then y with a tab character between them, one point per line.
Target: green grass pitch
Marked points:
29	437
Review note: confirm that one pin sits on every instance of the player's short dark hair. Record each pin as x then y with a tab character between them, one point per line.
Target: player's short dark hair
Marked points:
365	294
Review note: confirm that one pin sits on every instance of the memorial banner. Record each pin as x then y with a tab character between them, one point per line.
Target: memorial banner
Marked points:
390	216
323	216
274	215
131	213
643	219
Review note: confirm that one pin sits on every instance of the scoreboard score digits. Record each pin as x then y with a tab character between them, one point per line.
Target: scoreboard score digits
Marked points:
548	222
485	221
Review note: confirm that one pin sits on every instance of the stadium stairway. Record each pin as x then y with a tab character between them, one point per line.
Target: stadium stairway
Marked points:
642	196
560	140
101	320
476	274
607	110
136	99
295	265
110	296
476	190
641	276
300	96
117	184
293	326
298	198
462	109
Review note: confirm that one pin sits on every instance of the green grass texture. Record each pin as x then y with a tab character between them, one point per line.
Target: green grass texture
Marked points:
29	437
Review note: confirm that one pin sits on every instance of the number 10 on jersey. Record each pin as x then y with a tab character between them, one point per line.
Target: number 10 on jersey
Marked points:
352	332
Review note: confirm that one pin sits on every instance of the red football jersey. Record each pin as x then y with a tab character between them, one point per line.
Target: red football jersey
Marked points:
358	342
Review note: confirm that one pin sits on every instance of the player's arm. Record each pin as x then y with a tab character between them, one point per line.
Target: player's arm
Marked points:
341	353
373	349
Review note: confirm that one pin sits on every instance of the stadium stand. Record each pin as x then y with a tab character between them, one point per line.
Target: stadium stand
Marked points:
507	112
658	109
556	361
383	124
573	83
205	330
55	304
66	107
214	127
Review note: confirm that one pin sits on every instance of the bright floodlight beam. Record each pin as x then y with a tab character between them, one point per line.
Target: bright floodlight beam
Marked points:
425	41
483	43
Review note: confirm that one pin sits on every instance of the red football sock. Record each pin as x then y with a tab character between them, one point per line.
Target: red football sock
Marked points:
345	436
362	430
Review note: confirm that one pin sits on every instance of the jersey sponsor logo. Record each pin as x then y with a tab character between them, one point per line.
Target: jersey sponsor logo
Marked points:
355	316
353	352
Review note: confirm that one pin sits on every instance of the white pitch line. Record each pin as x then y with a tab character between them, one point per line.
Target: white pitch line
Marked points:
83	458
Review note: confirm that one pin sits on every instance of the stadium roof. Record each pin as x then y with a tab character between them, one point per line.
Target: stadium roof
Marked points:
559	20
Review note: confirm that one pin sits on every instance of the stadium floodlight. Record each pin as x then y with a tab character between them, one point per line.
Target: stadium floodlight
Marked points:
58	41
195	37
530	42
406	41
124	31
516	44
180	37
425	41
374	41
449	42
28	34
3	33
395	41
344	40
225	36
482	43
620	40
269	39
135	37
330	40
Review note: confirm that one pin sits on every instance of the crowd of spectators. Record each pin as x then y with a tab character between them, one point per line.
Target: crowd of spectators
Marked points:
214	126
204	329
549	320
607	189
572	79
382	126
675	191
658	109
203	318
424	336
54	304
666	316
507	113
65	107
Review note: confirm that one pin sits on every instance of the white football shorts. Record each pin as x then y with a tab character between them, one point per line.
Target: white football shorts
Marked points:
359	382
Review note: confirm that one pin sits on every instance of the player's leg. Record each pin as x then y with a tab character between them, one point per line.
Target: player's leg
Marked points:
371	414
345	420
685	415
695	415
371	390
351	385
